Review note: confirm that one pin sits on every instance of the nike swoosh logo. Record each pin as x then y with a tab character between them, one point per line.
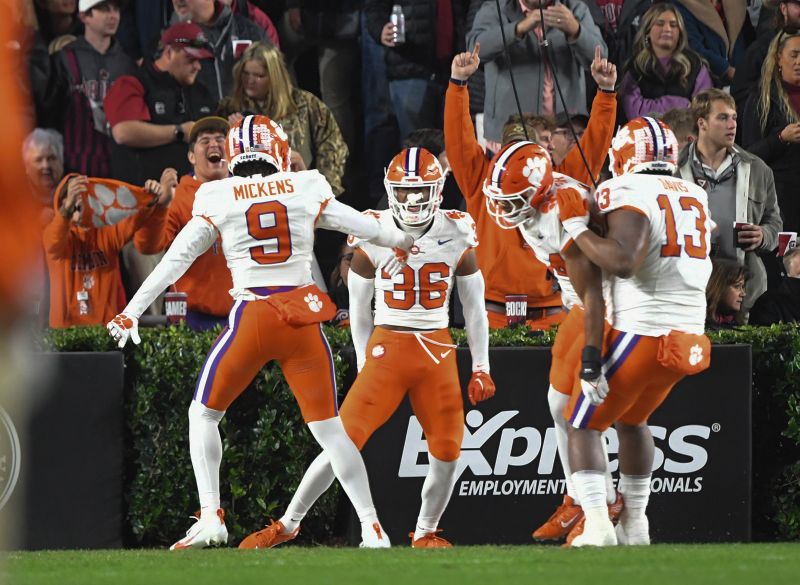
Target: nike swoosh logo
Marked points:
443	242
568	524
444	354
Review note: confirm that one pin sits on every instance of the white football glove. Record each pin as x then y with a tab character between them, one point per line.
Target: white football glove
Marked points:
593	383
122	327
595	390
395	262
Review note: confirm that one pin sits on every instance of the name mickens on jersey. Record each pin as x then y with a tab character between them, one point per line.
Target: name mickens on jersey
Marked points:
253	190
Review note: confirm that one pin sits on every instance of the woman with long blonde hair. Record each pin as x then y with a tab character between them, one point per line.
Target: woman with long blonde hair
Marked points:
663	73
771	122
262	85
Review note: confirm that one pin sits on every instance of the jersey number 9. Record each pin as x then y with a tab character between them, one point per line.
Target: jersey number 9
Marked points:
268	222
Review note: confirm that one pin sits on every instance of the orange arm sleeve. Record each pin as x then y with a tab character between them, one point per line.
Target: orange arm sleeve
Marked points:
595	142
56	240
466	156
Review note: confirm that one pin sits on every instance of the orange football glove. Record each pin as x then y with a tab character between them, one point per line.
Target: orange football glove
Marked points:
481	387
573	210
571	204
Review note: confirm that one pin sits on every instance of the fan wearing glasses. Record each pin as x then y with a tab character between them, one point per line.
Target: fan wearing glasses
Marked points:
568	129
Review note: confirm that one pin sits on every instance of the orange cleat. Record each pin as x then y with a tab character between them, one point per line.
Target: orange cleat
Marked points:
272	535
430	540
614	512
563	520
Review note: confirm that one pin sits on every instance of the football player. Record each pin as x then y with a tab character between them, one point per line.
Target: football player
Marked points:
405	348
265	216
656	248
520	189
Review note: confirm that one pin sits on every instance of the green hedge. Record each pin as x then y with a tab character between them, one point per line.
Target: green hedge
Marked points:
267	447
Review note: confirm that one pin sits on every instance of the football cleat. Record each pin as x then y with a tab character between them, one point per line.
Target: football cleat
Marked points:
563	520
602	535
614	512
374	537
430	540
205	532
272	535
634	533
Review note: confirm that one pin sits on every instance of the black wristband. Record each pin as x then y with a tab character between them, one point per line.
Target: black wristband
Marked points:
591	368
607	90
455	81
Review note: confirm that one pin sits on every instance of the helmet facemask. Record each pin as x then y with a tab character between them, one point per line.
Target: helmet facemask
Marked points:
508	211
420	201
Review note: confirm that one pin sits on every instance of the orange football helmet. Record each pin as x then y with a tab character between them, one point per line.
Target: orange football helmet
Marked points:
258	138
411	168
643	144
519	178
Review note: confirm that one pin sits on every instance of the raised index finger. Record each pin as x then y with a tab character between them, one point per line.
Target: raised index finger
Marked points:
598	54
475	51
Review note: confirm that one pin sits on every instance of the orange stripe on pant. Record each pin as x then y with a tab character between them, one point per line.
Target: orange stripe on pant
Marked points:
256	335
638	384
398	364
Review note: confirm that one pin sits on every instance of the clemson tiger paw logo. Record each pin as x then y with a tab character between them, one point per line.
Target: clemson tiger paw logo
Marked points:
313	302
110	206
695	355
378	351
534	170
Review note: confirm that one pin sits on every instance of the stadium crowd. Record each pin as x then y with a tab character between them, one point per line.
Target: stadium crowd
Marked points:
132	103
117	89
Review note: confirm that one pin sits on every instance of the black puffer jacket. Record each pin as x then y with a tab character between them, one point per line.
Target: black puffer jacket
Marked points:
416	58
782	158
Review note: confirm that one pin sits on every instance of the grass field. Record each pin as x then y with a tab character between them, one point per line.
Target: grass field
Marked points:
768	564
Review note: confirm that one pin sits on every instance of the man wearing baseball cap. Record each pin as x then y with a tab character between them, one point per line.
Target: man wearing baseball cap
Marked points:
151	114
152	111
85	70
208	280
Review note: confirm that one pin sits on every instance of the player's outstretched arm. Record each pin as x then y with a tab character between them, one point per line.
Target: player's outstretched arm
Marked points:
361	284
343	218
471	292
193	240
624	248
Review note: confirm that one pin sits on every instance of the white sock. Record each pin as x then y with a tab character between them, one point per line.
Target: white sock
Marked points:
436	492
205	447
348	466
635	490
591	487
558	402
316	481
611	491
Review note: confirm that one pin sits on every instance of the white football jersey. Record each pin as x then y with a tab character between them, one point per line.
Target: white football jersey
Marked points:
267	225
669	290
548	239
419	296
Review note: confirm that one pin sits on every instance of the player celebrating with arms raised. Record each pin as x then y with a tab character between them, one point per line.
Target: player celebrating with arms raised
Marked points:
657	248
520	189
406	347
266	218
